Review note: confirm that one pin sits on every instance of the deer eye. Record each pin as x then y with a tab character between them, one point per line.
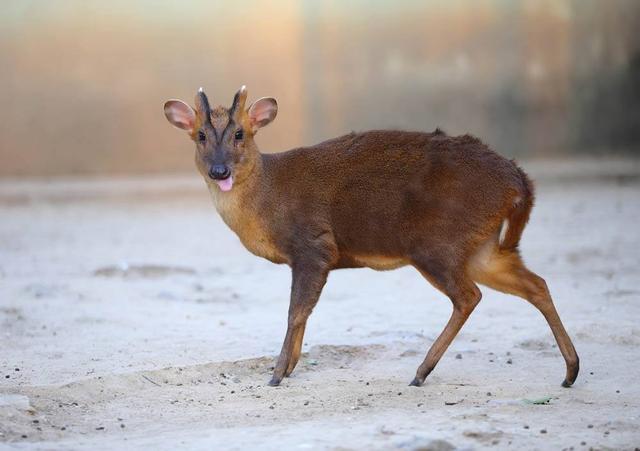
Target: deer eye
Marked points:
201	136
239	135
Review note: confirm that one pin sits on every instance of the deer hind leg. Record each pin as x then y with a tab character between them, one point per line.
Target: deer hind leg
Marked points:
503	270
464	295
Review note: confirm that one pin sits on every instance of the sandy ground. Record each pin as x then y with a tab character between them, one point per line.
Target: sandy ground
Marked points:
131	317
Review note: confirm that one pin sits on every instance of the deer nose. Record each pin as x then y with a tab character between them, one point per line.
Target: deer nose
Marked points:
219	172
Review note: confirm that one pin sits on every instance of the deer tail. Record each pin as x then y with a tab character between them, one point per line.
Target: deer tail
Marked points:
518	216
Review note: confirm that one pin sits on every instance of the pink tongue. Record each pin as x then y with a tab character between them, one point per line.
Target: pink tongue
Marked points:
226	184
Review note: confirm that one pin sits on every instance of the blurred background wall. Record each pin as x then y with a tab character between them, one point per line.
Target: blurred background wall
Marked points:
82	82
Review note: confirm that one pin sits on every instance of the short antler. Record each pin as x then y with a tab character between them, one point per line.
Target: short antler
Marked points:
202	105
239	100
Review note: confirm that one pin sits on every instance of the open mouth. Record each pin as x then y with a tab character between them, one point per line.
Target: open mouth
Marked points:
225	184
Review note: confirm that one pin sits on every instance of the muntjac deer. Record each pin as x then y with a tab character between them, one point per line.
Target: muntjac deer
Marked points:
448	206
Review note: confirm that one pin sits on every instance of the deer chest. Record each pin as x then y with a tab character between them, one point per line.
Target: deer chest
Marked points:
254	232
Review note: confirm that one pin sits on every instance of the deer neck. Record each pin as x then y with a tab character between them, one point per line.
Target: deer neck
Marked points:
240	209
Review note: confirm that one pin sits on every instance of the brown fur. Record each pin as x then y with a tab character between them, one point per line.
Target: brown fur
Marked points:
381	199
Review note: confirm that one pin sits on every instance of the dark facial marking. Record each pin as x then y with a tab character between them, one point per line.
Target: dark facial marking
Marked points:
220	119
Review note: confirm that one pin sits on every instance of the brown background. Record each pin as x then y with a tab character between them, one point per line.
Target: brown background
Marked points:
83	82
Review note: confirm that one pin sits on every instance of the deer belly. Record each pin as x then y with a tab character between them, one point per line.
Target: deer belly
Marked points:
380	262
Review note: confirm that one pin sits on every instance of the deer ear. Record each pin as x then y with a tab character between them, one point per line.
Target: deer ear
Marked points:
262	112
180	114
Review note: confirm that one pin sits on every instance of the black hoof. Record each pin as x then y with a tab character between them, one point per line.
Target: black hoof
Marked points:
573	368
274	382
415	382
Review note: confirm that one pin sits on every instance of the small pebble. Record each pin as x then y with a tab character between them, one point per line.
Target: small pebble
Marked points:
24	435
100	428
509	361
617	391
7	376
17	369
458	356
526	426
590	426
122	425
399	393
36	421
306	403
583	443
488	393
543	431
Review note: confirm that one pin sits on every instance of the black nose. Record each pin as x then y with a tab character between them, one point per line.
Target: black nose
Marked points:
219	172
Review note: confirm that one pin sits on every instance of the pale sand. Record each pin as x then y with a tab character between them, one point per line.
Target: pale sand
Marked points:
137	320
